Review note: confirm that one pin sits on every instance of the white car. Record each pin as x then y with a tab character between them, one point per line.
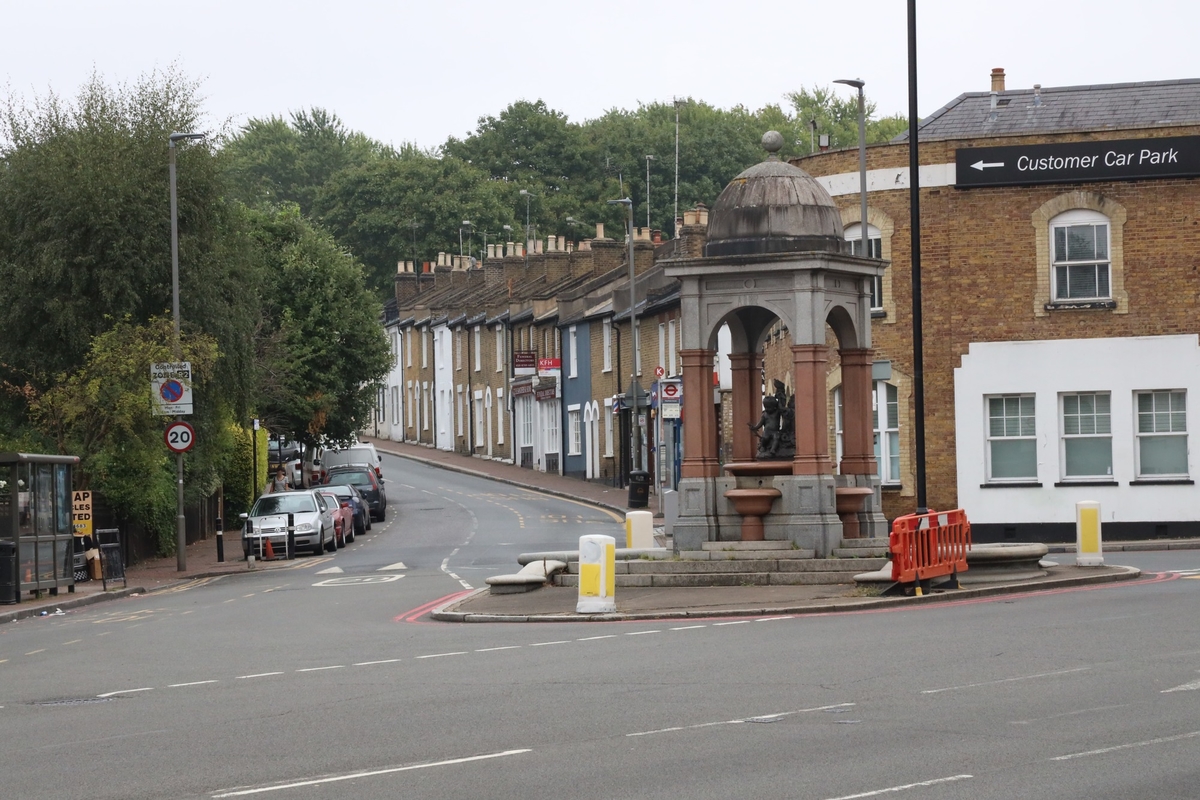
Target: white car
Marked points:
268	520
357	454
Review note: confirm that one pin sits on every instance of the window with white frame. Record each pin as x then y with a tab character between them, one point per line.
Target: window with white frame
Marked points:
637	349
662	346
479	418
424	348
459	340
557	336
525	404
1079	252
425	400
412	404
476	336
499	348
672	352
408	349
572	352
461	412
853	234
608	427
1012	438
1086	435
574	431
1162	434
395	405
552	411
885	422
606	335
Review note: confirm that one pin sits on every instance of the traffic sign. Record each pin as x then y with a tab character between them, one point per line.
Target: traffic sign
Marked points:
171	388
179	437
670	391
1073	162
659	372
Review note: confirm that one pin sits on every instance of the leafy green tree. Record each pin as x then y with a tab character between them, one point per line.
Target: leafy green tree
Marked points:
275	160
837	116
322	349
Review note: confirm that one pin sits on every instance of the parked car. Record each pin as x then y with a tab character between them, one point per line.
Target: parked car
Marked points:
268	519
361	454
369	485
343	517
350	498
281	451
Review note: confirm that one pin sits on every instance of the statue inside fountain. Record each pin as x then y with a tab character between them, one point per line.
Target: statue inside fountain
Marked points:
777	442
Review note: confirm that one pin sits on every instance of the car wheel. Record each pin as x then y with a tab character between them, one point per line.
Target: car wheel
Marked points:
339	539
319	547
332	544
367	517
348	532
360	526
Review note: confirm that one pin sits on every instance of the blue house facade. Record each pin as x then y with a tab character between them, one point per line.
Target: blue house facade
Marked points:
577	400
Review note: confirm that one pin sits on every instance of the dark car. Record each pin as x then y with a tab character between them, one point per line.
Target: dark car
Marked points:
280	451
369	485
349	497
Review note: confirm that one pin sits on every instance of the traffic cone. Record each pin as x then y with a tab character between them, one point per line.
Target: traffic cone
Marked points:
270	551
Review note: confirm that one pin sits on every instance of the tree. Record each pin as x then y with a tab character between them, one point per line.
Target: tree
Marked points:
322	350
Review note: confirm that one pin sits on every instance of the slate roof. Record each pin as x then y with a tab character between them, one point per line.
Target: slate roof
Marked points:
1113	106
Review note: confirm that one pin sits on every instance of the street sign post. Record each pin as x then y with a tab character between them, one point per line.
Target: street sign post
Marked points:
179	437
1073	162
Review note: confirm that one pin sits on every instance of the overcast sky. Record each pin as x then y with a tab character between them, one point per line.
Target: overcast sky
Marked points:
421	71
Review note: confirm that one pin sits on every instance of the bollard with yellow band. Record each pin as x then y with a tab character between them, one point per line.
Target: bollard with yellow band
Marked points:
639	530
1089	548
597	574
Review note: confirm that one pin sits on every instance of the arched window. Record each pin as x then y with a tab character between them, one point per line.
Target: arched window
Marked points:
1079	252
853	235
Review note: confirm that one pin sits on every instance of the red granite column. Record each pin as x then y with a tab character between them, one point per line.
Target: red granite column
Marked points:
699	416
747	402
858	445
812	435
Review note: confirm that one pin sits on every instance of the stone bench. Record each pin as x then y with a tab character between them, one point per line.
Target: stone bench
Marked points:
533	575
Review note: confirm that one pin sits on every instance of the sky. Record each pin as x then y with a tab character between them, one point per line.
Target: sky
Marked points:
403	71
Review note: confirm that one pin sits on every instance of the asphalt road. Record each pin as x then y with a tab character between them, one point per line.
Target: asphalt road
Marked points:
306	683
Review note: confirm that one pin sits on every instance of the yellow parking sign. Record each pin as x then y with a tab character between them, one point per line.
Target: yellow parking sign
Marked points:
81	509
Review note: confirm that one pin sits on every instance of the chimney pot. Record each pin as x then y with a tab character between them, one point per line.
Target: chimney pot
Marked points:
599	230
998	79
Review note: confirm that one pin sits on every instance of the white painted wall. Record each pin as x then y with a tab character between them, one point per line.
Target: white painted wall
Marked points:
1047	368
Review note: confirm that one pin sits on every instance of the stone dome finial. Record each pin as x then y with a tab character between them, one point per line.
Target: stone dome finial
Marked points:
772	142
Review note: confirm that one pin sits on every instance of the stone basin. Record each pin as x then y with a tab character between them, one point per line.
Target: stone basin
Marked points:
850	501
753	505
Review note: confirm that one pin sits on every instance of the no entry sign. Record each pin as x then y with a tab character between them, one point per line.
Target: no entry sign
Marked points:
179	437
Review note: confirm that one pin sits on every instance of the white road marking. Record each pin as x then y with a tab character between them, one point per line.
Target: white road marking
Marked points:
126	691
319	669
1114	748
1067	714
594	638
641	633
735	622
773	619
371	663
440	655
1005	680
689	627
543	644
193	683
1187	687
893	789
330	571
35	652
397	565
258	675
760	717
494	649
371	773
358	580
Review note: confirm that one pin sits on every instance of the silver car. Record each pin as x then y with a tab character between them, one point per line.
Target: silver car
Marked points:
268	520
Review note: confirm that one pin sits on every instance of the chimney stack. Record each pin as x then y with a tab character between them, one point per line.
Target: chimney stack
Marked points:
998	79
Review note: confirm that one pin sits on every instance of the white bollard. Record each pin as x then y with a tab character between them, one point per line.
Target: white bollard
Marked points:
597	578
1089	548
639	530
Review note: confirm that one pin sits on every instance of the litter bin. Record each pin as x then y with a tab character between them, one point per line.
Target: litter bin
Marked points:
8	589
639	488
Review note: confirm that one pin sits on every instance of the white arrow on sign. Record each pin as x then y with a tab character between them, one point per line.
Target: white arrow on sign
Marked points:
982	165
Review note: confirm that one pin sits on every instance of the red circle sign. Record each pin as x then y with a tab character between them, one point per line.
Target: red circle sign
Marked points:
179	437
659	372
670	389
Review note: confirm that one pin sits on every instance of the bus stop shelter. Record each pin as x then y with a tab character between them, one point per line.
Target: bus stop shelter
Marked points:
36	534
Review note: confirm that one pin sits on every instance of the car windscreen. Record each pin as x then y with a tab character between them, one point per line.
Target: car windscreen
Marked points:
352	477
283	504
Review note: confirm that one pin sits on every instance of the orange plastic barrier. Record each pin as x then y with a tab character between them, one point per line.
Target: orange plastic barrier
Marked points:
929	545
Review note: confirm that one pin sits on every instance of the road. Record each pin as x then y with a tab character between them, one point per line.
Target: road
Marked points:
311	683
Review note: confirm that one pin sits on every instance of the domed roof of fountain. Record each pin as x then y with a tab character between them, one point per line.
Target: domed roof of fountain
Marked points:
773	207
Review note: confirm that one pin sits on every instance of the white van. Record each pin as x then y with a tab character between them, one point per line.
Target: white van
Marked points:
358	453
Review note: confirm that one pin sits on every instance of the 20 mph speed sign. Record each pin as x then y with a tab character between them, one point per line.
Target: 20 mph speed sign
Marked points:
179	437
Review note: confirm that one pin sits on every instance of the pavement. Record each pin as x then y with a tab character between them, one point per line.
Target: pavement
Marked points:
556	603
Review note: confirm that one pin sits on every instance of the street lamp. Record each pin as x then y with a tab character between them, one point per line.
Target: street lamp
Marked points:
527	228
649	158
635	454
864	250
177	347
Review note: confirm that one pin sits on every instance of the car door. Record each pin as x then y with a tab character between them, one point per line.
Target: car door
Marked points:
326	514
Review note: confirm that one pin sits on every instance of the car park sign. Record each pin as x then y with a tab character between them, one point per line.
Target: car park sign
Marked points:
171	388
